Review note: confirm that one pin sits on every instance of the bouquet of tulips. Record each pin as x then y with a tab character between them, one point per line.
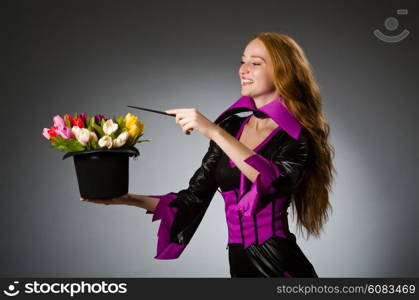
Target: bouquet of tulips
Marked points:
79	132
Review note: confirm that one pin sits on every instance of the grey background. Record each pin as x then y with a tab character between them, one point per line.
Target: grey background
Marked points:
98	56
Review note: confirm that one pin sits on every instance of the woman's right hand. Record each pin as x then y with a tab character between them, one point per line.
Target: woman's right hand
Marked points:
124	199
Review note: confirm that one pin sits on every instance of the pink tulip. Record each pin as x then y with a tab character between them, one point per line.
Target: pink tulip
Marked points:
58	121
65	132
45	133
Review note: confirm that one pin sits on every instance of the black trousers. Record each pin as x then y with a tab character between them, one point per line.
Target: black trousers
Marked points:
276	257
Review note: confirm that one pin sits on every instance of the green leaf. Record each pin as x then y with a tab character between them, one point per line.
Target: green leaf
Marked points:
120	121
68	144
95	145
59	147
90	123
140	141
117	132
99	129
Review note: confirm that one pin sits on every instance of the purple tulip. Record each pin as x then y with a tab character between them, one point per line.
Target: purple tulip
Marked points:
83	117
98	119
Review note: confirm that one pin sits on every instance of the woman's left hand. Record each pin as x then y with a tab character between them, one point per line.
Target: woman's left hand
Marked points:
190	119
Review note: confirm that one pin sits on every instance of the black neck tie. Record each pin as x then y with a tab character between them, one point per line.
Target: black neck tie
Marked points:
259	114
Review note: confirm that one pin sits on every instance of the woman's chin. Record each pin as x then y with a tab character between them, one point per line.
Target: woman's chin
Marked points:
246	92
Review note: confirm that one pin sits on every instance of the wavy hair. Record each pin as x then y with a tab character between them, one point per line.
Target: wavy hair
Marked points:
295	83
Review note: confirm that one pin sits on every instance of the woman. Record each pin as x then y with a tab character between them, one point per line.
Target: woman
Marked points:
261	163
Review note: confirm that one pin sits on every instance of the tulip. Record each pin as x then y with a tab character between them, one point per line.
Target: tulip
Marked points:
58	121
93	136
134	130
110	127
121	139
75	130
52	132
67	121
79	122
65	132
130	120
81	134
134	126
99	118
45	133
83	116
105	141
72	120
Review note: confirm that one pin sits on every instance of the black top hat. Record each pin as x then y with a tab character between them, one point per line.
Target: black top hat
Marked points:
103	173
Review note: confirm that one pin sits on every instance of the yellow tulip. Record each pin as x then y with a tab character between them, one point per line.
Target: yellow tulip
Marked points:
134	126
141	126
136	129
130	120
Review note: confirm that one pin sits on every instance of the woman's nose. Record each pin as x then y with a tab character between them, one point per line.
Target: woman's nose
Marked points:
243	69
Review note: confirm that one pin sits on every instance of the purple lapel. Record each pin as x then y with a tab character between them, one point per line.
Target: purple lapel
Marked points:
274	109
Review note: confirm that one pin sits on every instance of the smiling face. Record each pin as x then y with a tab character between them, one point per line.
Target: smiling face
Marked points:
256	71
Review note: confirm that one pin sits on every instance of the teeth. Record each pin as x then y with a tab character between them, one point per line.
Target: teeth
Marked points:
247	81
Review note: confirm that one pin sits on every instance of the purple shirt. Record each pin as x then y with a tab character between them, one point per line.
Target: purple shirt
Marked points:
249	220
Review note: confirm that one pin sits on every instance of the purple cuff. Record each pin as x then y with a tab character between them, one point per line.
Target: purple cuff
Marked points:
249	203
165	248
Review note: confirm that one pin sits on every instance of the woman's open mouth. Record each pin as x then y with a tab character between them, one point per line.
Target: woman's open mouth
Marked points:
246	82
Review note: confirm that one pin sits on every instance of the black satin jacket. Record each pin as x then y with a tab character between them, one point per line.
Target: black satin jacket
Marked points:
289	155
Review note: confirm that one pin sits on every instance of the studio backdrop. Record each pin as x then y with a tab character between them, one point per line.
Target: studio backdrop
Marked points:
63	57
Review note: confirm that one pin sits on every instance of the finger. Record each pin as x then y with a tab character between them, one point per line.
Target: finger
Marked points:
187	129
176	110
178	118
97	201
184	121
170	111
181	116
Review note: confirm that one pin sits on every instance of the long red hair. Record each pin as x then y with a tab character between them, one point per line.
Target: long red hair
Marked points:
294	80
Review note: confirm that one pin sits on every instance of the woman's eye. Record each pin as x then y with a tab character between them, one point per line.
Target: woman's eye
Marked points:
255	64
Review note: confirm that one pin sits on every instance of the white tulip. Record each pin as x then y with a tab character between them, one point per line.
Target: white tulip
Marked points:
121	139
93	136
105	141
109	127
83	136
75	130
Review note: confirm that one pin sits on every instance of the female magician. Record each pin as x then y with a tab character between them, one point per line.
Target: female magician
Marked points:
277	156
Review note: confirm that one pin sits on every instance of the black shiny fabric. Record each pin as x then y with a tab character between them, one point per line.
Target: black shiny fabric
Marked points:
227	178
276	257
193	202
